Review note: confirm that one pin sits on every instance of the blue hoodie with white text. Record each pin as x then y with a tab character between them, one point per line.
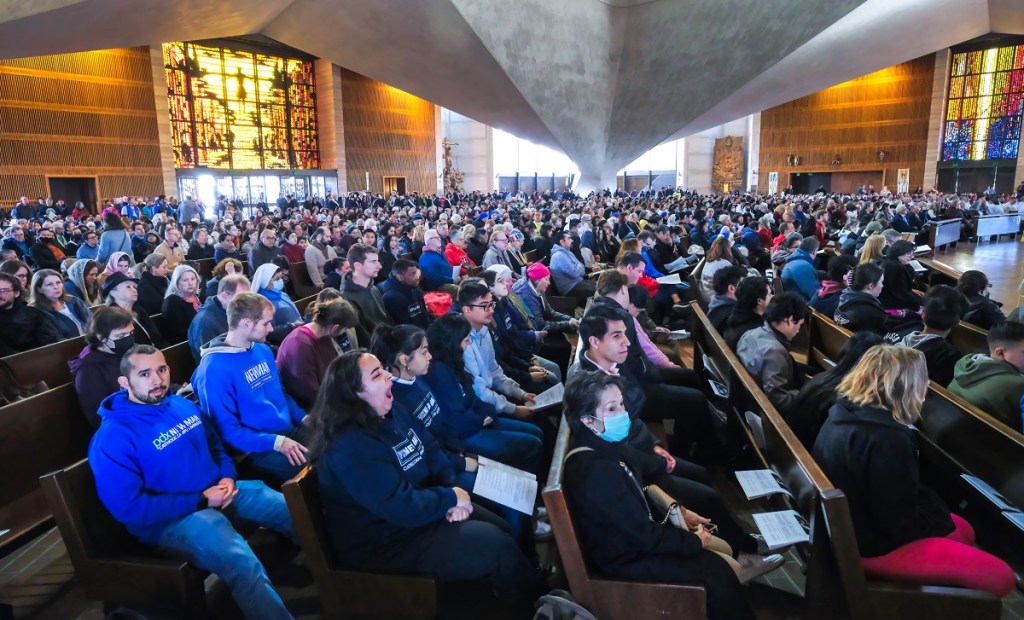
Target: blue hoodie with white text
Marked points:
241	390
153	462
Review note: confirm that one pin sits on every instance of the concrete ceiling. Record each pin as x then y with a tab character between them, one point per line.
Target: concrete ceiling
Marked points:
601	80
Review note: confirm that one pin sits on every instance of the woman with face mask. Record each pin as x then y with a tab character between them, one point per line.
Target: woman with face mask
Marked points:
604	480
110	334
269	282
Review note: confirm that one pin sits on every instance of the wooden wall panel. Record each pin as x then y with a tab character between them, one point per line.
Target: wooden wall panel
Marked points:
883	111
89	114
387	132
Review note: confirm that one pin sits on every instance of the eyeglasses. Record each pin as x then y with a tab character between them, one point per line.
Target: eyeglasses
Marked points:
490	306
4	291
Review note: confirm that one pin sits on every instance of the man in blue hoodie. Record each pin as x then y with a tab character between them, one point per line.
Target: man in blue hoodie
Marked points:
239	386
161	471
799	275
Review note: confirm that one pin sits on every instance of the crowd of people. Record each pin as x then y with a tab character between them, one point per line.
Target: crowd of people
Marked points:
431	337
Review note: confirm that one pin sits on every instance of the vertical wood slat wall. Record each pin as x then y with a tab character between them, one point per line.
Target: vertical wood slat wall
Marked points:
887	110
87	114
387	133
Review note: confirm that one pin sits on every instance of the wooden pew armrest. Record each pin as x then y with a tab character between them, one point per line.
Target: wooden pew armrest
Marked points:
624	599
890	600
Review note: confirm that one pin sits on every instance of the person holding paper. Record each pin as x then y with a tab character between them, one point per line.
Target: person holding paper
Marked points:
404	353
388	496
619	534
868	449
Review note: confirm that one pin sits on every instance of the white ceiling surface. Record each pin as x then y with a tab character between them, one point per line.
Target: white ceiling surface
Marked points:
601	80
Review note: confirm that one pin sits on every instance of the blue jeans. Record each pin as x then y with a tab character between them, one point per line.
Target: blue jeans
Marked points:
273	467
208	540
509	441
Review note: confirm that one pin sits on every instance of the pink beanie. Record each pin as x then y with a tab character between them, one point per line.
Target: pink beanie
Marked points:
537	271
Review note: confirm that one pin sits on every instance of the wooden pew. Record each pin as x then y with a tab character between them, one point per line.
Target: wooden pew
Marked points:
695	289
836	584
205	267
939	272
969	338
346	593
956	438
49	363
39	434
605	598
301	281
110	564
303	304
531	256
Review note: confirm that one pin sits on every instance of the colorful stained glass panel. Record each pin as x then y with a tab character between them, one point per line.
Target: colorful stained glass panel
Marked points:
241	110
984	104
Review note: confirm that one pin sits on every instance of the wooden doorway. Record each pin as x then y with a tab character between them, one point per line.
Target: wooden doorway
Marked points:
73	189
394	185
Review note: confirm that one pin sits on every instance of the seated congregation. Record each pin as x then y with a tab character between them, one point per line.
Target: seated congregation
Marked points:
390	354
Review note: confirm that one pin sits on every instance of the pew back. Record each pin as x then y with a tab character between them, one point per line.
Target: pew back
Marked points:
49	363
609	599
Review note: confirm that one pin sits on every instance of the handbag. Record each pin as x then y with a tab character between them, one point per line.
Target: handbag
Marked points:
11	390
666	505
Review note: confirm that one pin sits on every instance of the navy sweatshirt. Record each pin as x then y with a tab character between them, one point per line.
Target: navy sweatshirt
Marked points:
153	462
462	412
382	486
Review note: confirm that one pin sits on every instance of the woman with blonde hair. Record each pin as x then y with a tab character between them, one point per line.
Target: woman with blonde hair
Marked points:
628	245
874	250
718	256
868	450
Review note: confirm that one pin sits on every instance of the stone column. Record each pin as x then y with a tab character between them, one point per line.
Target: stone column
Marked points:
163	121
330	120
936	120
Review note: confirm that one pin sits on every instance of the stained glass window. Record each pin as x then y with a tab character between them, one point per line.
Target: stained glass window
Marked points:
240	110
983	111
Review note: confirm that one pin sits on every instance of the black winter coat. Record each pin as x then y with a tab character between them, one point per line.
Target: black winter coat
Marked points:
860	311
873	459
23	327
983	312
151	293
898	290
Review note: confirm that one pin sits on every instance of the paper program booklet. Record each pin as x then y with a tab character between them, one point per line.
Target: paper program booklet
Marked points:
781	529
506	485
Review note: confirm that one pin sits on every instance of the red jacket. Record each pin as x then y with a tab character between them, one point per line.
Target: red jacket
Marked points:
457	256
648	283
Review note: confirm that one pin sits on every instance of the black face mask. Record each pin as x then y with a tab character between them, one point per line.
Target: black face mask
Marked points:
121	345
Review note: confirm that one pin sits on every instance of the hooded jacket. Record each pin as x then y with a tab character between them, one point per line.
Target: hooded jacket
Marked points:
826	298
983	312
369	301
799	275
211	321
741	320
992	385
566	271
436	269
404	303
858	311
152	463
383	486
242	391
940	356
94	374
765	354
873	459
719	309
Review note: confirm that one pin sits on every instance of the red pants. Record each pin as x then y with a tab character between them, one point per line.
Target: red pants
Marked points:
949	561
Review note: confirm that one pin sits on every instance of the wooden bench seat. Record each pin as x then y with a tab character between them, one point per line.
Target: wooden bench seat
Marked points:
49	363
110	564
346	593
606	598
301	282
37	435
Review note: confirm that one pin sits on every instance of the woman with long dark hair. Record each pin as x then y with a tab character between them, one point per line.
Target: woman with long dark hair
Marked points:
466	419
404	352
388	493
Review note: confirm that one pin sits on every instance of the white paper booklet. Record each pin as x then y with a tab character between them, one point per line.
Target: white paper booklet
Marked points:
676	265
506	485
759	482
985	489
781	528
679	334
456	270
549	397
918	267
672	279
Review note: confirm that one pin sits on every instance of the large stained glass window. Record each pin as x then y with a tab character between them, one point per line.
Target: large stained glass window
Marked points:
240	110
983	116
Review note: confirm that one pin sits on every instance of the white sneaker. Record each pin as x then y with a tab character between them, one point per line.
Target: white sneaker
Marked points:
755	566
